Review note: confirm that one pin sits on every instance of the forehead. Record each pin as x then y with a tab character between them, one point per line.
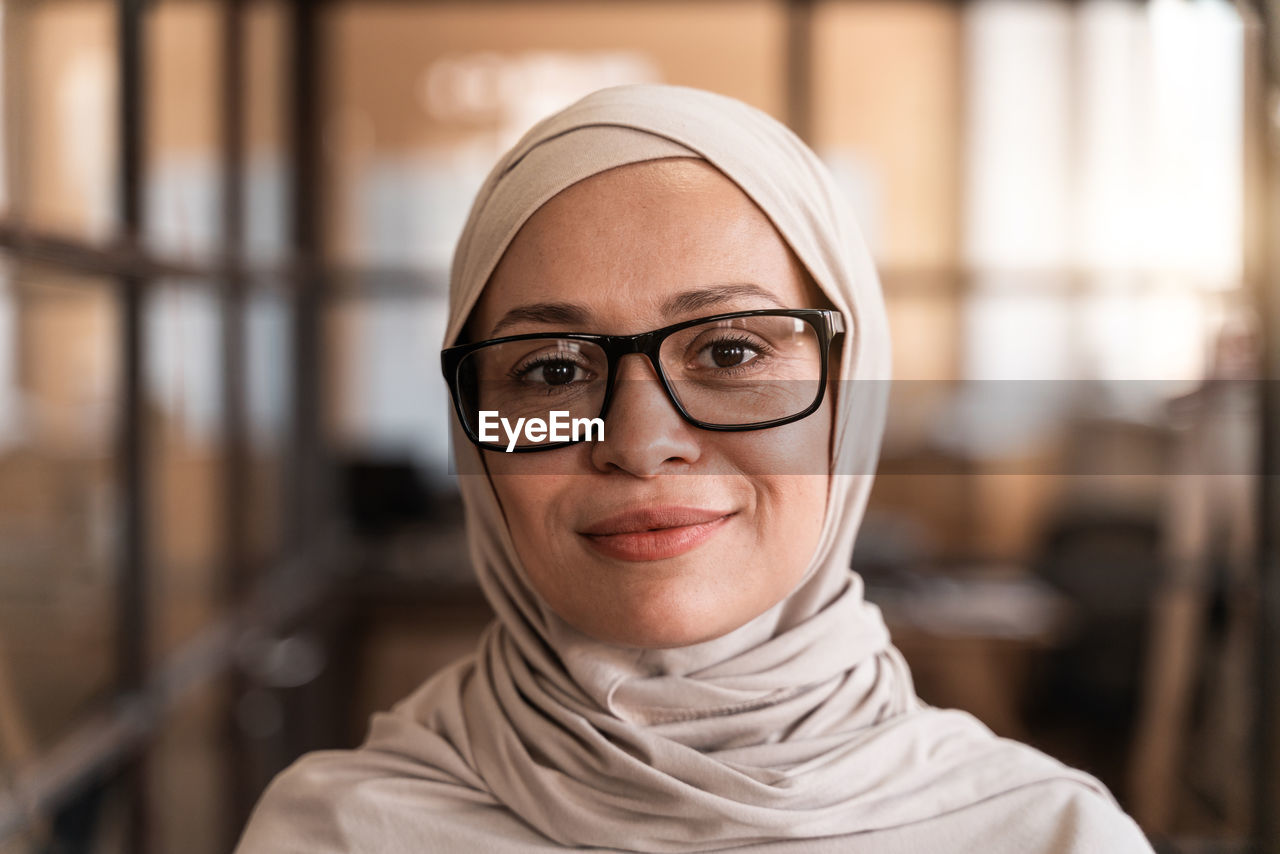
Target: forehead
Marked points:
632	248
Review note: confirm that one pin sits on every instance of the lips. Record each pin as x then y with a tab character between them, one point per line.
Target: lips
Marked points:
652	519
654	533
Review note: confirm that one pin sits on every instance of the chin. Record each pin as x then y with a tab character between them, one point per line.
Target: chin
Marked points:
662	621
666	637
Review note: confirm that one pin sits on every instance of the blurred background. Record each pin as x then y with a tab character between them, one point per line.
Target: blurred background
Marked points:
228	530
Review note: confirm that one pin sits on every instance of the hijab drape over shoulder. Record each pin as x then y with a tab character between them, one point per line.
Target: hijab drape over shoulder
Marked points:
800	731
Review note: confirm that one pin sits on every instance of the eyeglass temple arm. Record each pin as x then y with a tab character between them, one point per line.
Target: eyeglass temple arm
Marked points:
835	322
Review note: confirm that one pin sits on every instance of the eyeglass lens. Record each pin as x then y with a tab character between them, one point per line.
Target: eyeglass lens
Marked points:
728	372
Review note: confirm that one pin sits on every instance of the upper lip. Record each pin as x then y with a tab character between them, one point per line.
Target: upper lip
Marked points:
652	518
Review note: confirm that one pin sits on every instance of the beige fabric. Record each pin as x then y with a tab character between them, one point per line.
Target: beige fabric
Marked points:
798	732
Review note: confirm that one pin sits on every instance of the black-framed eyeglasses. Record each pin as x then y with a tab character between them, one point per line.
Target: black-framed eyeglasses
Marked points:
743	370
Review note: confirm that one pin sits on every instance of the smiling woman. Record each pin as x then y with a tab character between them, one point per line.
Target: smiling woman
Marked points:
682	658
639	556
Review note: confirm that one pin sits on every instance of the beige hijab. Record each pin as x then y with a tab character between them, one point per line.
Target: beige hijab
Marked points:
798	731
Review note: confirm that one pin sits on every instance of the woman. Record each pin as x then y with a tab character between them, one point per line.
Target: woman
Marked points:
682	659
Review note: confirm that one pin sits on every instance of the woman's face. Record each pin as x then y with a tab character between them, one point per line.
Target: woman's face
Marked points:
662	534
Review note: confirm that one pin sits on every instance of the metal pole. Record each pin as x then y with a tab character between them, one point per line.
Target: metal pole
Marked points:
234	407
306	481
799	70
132	625
235	442
1263	271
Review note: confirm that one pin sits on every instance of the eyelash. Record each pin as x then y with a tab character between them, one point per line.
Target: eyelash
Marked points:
762	350
523	370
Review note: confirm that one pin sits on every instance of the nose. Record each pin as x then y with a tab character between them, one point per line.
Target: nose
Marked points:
643	433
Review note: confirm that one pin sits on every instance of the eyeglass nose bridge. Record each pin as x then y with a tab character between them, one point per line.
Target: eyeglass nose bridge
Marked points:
647	344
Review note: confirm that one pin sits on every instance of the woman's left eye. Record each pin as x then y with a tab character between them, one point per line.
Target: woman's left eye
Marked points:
554	373
727	353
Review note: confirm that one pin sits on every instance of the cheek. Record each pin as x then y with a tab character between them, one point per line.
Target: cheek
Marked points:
789	468
800	448
534	491
792	511
516	495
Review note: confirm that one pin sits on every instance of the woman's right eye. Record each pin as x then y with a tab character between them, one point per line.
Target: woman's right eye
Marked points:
553	372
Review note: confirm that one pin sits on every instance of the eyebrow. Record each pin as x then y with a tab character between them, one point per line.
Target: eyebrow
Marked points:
696	300
560	313
684	303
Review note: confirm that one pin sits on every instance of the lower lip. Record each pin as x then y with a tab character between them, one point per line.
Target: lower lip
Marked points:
656	545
